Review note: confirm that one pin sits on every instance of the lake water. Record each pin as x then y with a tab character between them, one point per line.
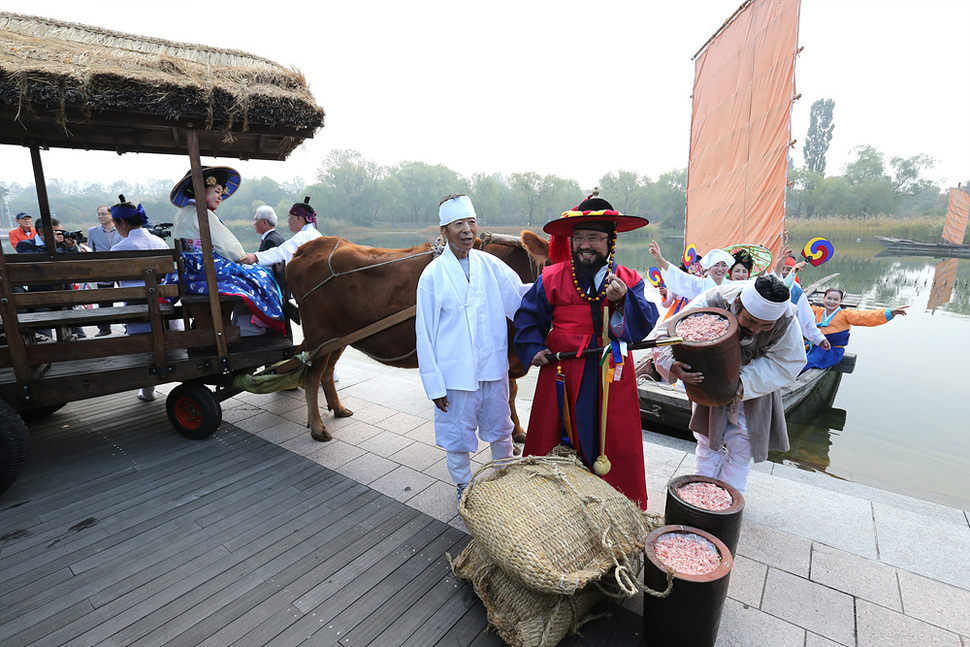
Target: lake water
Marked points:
899	421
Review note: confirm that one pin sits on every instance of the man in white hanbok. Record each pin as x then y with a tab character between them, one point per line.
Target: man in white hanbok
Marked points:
303	224
464	300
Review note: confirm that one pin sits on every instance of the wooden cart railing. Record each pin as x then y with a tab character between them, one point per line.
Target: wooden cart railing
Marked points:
25	312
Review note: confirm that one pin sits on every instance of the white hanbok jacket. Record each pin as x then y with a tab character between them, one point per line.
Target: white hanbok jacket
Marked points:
186	223
139	238
461	323
284	253
688	285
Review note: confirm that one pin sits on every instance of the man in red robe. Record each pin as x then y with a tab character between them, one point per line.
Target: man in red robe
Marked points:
566	310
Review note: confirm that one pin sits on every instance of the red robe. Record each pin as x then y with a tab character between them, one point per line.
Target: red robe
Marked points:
572	329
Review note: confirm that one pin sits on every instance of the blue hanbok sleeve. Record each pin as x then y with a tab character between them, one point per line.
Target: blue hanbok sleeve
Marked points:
532	322
639	315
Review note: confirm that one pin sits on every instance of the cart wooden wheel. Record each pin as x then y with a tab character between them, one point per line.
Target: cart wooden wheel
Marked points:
193	410
14	440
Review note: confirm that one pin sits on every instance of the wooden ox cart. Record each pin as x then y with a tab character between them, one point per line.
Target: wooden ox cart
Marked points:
64	85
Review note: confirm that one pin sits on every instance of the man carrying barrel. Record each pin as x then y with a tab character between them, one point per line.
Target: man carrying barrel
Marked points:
582	300
772	354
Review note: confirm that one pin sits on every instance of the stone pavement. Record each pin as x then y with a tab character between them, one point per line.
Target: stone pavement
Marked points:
821	562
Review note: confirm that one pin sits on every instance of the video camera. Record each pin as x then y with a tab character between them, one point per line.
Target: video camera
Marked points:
77	236
161	229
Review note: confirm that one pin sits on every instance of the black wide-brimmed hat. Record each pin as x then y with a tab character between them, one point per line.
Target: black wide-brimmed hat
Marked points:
225	176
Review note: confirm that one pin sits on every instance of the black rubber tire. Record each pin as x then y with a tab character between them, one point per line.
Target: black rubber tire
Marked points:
30	415
14	441
193	410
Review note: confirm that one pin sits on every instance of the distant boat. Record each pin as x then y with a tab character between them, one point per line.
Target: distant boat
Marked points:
954	230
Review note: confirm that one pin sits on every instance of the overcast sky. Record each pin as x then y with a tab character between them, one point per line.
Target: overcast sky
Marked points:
576	89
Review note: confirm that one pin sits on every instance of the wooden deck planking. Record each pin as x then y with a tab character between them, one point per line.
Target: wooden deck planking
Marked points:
120	532
226	579
372	602
161	516
277	612
94	581
162	600
209	615
261	611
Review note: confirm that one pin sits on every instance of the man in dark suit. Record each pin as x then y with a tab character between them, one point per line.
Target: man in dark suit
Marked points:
264	222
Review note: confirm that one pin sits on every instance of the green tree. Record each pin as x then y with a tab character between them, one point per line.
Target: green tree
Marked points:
625	190
352	186
830	197
868	165
420	187
801	183
5	217
559	194
819	136
907	171
526	190
665	202
490	194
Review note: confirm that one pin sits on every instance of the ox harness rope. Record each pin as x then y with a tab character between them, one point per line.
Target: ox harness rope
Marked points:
436	248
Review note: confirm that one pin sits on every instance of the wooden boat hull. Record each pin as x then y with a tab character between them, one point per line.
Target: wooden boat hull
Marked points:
916	248
666	406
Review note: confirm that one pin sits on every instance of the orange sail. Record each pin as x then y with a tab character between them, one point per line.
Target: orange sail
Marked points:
744	86
956	217
943	279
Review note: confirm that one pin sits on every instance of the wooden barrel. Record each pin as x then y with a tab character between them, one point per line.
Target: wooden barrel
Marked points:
691	614
718	359
724	524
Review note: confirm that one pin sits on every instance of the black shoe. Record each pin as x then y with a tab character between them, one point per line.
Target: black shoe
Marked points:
103	333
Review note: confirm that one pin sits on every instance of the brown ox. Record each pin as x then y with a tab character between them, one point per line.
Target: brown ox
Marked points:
342	287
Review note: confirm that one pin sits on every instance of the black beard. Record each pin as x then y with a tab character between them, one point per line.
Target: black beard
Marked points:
586	272
591	266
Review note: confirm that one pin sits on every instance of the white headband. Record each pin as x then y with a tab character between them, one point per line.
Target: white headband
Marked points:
714	256
455	209
760	307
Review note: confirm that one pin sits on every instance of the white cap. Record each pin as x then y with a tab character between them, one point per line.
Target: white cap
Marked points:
760	307
455	209
715	256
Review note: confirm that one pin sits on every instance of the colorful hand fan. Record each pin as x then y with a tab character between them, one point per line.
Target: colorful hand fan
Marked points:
817	251
690	255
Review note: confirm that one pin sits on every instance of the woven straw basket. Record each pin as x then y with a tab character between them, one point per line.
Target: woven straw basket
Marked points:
521	616
551	524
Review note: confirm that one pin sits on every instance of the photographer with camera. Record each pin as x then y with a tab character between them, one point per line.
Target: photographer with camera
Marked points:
64	242
102	238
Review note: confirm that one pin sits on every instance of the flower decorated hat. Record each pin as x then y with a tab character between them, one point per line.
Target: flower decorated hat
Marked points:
592	213
224	176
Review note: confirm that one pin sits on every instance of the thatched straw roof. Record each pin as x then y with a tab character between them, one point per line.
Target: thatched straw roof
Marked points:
68	85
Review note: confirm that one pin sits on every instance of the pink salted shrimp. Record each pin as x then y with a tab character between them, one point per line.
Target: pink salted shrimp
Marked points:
702	327
687	553
705	495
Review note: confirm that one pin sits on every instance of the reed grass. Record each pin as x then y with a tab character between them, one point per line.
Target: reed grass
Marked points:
922	228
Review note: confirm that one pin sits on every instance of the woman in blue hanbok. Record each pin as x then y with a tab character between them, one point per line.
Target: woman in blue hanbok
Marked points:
262	306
